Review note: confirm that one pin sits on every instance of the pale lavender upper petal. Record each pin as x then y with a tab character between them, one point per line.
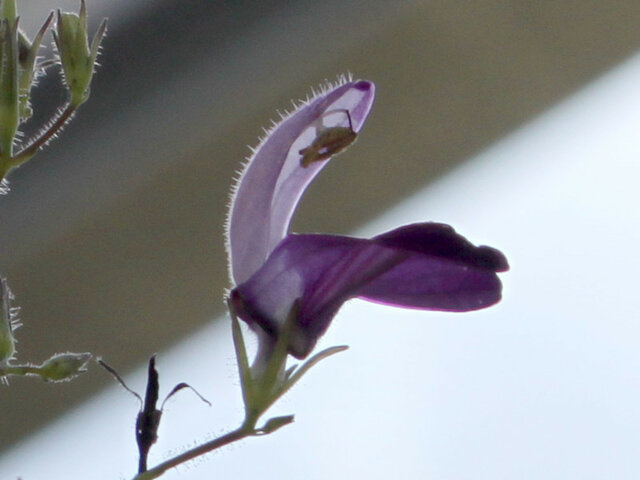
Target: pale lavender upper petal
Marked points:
273	181
426	266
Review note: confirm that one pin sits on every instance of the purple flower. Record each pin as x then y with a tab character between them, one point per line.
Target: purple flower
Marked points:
424	266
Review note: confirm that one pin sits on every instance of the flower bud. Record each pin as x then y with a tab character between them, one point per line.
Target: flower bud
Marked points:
77	57
64	366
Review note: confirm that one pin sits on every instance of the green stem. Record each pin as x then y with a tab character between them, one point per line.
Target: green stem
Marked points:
20	370
234	436
258	393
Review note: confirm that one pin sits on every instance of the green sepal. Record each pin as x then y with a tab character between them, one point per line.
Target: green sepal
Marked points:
28	53
246	380
9	106
278	360
262	386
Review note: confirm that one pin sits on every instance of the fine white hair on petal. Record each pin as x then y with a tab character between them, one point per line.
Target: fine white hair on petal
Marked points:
284	115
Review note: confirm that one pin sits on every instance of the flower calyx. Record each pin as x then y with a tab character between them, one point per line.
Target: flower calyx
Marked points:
77	56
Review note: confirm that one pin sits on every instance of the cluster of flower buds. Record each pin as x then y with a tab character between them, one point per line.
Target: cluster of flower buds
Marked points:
20	68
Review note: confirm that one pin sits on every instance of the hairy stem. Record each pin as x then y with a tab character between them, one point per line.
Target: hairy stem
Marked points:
20	370
44	136
233	436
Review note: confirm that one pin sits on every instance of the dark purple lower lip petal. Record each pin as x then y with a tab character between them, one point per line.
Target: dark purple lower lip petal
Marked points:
441	240
425	266
443	271
434	283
